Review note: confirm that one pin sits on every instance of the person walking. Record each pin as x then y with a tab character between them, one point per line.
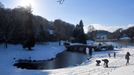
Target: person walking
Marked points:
90	52
127	57
114	55
109	55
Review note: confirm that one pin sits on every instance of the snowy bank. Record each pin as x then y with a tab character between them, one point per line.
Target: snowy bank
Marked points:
40	52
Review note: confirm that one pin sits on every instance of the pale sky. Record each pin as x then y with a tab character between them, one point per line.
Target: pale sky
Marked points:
102	14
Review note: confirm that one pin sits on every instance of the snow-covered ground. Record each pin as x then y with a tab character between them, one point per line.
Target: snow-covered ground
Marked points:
117	66
40	52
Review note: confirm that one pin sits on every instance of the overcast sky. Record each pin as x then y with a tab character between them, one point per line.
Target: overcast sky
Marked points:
103	14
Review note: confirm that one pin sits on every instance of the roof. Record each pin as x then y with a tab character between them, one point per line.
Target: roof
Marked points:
125	38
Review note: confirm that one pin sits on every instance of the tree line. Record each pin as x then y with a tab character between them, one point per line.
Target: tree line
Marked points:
119	33
20	25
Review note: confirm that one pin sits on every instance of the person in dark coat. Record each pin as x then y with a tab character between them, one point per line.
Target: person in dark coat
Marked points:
114	55
127	57
98	62
90	52
105	62
109	55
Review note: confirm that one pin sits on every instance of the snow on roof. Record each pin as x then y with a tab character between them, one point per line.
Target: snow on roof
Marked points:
76	44
89	42
125	38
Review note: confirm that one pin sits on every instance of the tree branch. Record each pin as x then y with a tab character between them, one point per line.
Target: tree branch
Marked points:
60	1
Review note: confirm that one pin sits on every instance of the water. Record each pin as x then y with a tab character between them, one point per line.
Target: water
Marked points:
65	59
62	60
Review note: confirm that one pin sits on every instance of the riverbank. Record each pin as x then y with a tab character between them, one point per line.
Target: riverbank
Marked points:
14	52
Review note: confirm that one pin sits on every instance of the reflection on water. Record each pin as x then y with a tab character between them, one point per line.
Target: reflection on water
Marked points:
65	59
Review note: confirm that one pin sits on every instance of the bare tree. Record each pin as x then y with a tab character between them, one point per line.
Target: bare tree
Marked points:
91	28
60	1
1	5
91	32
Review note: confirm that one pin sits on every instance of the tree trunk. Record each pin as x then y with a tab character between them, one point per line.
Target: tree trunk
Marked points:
5	44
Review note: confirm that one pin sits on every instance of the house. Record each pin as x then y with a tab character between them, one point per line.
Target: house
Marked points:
125	38
101	35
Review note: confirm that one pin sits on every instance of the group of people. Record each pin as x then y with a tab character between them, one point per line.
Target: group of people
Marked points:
106	61
114	55
127	57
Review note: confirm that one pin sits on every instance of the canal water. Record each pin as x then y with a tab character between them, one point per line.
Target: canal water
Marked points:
65	59
62	60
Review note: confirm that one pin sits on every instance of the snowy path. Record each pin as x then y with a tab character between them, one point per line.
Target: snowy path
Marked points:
115	64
